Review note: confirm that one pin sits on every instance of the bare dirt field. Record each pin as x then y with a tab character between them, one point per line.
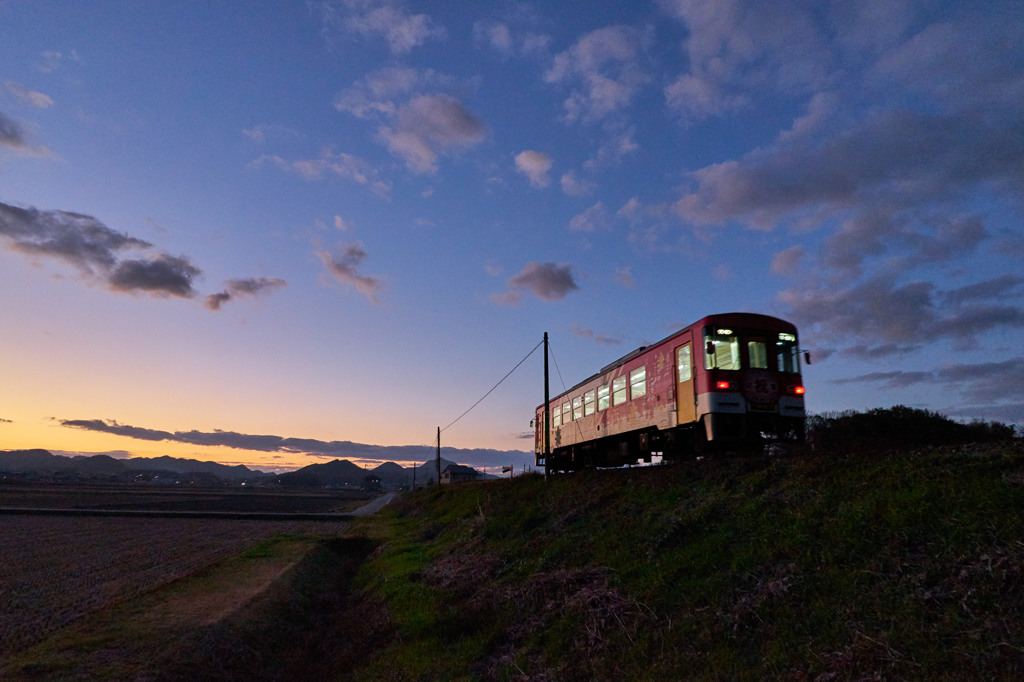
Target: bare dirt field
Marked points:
58	569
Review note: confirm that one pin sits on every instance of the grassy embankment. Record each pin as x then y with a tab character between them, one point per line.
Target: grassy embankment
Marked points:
902	565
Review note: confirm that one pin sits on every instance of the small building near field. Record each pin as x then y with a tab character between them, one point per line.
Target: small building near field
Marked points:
457	473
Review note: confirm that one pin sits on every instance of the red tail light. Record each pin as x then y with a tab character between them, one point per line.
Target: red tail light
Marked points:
723	385
798	390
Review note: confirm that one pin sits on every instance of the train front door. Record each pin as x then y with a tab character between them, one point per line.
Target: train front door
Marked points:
686	408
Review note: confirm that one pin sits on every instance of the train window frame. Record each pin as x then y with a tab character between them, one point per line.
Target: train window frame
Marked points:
638	382
567	412
604	397
787	353
721	342
686	367
577	408
590	402
556	417
619	390
757	353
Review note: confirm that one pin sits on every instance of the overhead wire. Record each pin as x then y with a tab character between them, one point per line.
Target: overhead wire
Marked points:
495	386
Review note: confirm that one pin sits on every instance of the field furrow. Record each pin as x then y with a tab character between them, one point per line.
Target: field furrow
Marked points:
55	569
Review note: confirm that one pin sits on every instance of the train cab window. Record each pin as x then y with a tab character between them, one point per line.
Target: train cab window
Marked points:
637	382
566	412
556	416
757	354
721	348
787	353
603	398
619	390
588	402
684	363
577	407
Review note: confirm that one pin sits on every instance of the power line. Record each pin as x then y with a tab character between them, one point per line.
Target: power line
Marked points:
495	386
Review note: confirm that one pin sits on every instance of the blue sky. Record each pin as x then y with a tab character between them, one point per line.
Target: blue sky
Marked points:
345	221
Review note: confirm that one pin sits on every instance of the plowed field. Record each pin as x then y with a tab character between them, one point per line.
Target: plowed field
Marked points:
55	569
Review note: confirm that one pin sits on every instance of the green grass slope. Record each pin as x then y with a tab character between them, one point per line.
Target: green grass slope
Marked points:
905	565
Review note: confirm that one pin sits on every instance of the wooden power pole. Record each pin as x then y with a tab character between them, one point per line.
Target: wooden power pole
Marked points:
547	412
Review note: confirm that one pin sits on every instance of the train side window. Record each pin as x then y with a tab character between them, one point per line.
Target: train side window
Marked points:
638	382
619	390
577	407
588	402
566	412
684	363
556	417
757	354
721	348
603	397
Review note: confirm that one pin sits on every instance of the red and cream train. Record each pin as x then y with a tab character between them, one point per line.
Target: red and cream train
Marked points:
729	380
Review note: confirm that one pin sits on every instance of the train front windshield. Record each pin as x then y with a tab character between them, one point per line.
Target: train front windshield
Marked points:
729	349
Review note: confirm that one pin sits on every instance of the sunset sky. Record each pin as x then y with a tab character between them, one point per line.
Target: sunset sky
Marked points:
255	232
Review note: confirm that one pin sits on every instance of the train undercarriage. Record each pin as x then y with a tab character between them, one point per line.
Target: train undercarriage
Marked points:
715	434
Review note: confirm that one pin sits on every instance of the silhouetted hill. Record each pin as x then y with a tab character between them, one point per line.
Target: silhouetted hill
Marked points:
337	472
41	462
343	473
29	460
183	466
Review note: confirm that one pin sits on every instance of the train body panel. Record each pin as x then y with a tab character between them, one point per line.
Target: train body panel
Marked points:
729	378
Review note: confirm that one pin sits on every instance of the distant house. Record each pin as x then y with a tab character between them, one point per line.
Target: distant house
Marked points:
457	473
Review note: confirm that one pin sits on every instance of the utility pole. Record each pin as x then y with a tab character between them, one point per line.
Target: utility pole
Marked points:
439	454
547	413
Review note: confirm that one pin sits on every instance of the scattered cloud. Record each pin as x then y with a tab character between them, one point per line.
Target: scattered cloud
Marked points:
330	163
787	261
506	40
575	187
53	61
120	262
253	286
341	224
737	47
994	384
496	34
603	70
624	277
25	96
380	91
385	20
597	337
612	149
415	125
343	266
547	281
882	309
262	133
159	274
535	166
430	125
13	136
594	218
311	447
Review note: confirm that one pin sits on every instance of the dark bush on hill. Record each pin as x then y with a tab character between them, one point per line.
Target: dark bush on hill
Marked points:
897	427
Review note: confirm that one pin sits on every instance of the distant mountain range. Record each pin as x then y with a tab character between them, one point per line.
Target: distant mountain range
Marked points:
336	473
